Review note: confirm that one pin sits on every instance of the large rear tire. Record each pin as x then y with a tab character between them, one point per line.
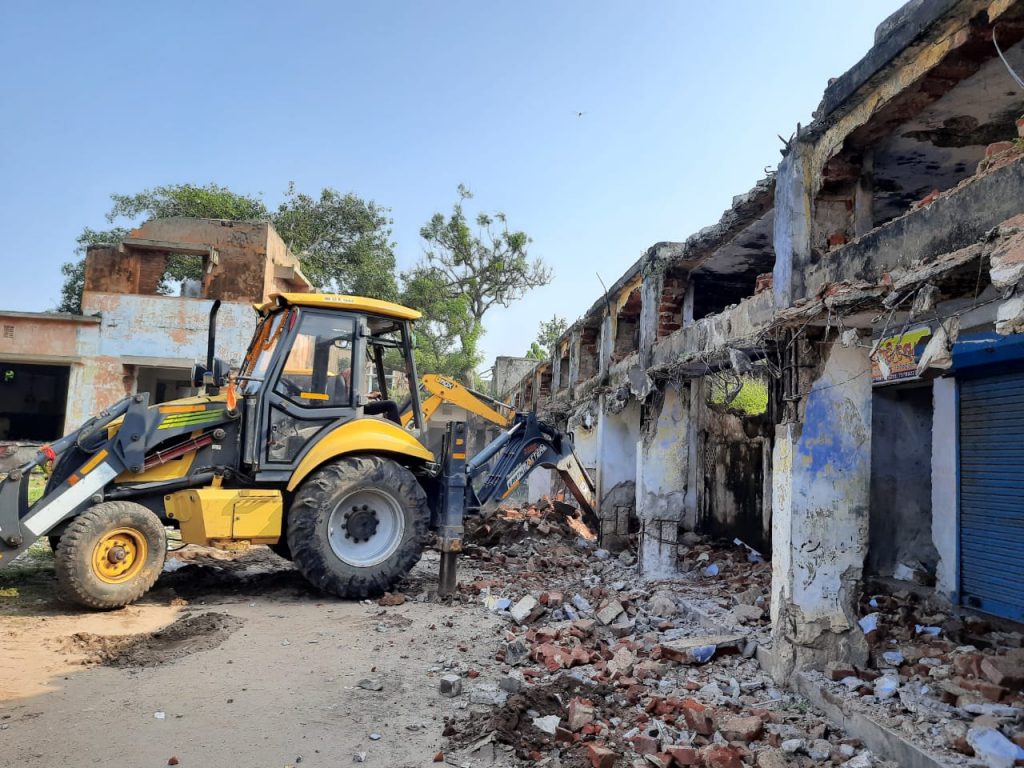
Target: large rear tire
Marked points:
357	526
110	555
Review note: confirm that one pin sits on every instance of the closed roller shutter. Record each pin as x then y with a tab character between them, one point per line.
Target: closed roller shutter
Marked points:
992	494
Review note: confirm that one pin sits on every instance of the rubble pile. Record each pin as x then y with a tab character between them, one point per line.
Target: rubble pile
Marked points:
596	668
949	683
551	517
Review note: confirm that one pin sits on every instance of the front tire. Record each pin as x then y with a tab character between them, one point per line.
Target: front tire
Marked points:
357	526
110	555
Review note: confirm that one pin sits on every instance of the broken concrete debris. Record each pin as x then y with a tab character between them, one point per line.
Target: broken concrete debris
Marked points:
937	679
597	668
873	286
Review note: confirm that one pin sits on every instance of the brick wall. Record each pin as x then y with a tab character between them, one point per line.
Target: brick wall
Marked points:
670	306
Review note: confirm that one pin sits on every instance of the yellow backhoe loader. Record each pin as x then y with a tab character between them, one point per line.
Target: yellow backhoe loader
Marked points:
292	452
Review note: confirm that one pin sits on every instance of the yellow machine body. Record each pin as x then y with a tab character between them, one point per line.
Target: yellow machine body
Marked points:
371	435
211	515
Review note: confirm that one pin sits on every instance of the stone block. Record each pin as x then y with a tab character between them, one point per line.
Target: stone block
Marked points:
451	686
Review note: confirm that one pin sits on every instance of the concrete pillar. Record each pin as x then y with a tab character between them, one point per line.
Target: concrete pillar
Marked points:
650	306
821	487
575	340
662	480
605	344
793	206
944	485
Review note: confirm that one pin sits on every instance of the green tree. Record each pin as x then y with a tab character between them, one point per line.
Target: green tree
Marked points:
547	337
343	241
471	269
208	202
536	352
446	330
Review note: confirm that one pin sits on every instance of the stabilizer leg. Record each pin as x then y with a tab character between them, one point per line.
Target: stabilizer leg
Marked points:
449	578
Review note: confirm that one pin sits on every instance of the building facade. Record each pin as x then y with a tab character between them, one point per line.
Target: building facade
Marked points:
834	371
140	330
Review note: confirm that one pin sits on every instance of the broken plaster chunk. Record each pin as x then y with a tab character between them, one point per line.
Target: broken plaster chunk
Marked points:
699	650
488	695
793	746
581	604
747	613
516	652
819	750
861	760
994	748
548	725
893	658
610	612
522	610
886	687
869	623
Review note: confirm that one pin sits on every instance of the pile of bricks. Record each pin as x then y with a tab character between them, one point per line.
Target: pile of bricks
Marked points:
936	677
603	670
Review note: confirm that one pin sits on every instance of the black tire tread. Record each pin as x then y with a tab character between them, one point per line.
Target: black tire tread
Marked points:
75	582
310	551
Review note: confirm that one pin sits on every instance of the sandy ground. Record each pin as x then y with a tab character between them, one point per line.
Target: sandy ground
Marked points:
257	671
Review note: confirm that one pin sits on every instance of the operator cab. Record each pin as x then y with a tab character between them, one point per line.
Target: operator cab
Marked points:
317	361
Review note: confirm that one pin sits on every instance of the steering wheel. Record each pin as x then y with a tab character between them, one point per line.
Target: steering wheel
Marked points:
290	388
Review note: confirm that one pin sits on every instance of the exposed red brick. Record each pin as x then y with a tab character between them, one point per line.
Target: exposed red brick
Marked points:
698	717
745	729
600	757
717	756
684	756
1007	671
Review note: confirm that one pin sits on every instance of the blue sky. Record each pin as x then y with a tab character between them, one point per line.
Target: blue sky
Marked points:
402	101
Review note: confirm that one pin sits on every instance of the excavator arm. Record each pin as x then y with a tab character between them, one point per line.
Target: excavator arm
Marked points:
526	445
436	390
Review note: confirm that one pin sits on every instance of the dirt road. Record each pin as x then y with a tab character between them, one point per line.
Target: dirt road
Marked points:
564	658
254	670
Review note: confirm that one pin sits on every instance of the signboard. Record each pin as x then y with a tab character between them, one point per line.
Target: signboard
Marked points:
897	356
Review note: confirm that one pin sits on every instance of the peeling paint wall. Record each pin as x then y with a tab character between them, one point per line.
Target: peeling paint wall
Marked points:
821	485
168	327
662	482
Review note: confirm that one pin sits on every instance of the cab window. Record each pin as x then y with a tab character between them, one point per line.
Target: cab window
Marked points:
318	370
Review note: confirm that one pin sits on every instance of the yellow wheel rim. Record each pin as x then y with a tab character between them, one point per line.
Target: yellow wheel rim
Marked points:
119	555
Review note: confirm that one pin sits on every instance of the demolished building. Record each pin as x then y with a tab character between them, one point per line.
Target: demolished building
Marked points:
140	330
834	371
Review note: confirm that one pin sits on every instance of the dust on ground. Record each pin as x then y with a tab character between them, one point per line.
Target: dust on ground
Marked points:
233	659
188	634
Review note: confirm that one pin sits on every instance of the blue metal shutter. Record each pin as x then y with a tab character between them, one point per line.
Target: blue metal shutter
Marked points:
992	494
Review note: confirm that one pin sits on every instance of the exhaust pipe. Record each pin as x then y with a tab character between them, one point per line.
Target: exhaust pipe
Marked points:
211	339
